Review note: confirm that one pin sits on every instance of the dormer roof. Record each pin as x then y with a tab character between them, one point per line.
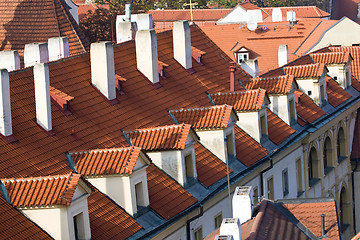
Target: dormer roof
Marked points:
336	94
331	57
315	70
107	161
170	137
206	117
272	85
306	109
250	100
278	130
355	53
42	191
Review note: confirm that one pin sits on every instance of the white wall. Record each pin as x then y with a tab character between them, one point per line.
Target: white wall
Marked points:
280	106
239	14
312	85
250	123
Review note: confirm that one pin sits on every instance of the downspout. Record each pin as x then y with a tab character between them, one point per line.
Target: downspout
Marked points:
188	236
262	177
353	193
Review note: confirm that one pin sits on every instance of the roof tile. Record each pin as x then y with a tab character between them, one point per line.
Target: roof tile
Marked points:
336	94
278	130
330	57
272	85
306	109
303	71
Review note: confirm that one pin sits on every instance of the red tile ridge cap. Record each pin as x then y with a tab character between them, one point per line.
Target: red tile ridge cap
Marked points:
258	219
288	80
337	57
181	125
132	148
306	70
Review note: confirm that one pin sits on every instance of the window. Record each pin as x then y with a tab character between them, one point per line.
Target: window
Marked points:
335	78
79	229
348	78
309	93
218	220
340	145
344	210
292	109
189	167
313	166
242	57
263	125
139	195
256	195
230	145
198	235
299	176
322	94
270	188
285	182
327	155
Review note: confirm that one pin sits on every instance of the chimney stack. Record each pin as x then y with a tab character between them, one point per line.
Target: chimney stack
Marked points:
5	105
231	226
125	31
147	54
35	53
58	48
144	21
243	203
182	43
232	69
42	96
283	55
10	60
103	69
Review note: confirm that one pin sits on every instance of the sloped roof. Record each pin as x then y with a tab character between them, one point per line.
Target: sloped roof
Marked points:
272	85
355	53
300	12
248	150
205	117
250	100
248	6
330	57
171	15
106	161
166	196
161	138
278	130
42	191
336	94
306	109
108	220
14	225
355	83
24	22
303	71
209	168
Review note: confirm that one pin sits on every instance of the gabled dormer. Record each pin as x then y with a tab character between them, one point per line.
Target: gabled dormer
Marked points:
171	148
58	204
244	57
311	80
250	106
120	173
338	65
281	94
214	125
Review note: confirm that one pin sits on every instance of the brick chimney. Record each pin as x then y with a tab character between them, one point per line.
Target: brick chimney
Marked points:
103	69
35	53
147	54
10	60
232	69
42	96
5	106
242	203
182	43
231	226
283	55
58	48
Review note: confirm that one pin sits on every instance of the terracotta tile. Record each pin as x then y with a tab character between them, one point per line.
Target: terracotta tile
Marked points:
336	94
272	85
278	130
306	109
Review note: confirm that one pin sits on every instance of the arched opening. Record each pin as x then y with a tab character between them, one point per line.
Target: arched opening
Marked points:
327	155
340	145
344	210
313	166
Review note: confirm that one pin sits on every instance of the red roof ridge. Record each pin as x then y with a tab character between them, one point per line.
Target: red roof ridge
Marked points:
305	70
181	125
330	57
258	219
104	150
272	85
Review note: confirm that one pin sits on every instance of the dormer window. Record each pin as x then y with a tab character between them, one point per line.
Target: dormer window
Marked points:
292	110
139	196
243	57
189	168
79	226
263	125
322	94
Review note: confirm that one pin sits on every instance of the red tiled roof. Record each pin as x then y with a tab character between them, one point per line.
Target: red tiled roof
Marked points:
84	8
248	6
167	197
336	94
250	100
42	191
302	71
272	85
308	213
206	117
356	237
106	161
330	57
248	150
355	53
300	12
161	138
25	22
278	130
107	220
14	225
209	168
172	15
306	109
355	83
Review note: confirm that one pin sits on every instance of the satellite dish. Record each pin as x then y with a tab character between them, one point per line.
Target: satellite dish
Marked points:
252	25
276	15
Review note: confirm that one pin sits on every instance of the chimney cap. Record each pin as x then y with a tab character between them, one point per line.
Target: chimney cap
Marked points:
243	190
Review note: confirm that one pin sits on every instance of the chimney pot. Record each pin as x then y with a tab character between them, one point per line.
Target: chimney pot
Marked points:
243	203
35	53
58	48
128	12
182	43
232	69
10	60
231	226
5	104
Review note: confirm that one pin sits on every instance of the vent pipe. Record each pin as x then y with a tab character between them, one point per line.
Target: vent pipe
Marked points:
128	12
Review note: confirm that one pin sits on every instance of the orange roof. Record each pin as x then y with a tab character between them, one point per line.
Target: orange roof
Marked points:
250	100
42	191
355	53
303	71
306	109
167	197
278	130
108	220
355	83
336	94
209	168
37	21
248	6
14	225
272	85
205	117
171	15
300	12
106	161
84	8
161	138
356	237
248	150
330	57
308	213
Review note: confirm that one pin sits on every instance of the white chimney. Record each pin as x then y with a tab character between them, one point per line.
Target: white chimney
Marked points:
242	203
144	21
5	105
125	31
10	60
290	16
147	54
223	237
283	55
42	96
58	48
231	226
182	43
103	68
276	15
35	53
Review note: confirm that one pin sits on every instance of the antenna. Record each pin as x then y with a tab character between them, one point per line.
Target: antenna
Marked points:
276	15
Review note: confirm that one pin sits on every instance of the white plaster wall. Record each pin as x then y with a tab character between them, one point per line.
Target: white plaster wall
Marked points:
306	85
315	191
237	15
170	162
251	66
280	106
77	207
250	123
214	141
342	169
187	151
352	127
329	181
135	178
337	71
